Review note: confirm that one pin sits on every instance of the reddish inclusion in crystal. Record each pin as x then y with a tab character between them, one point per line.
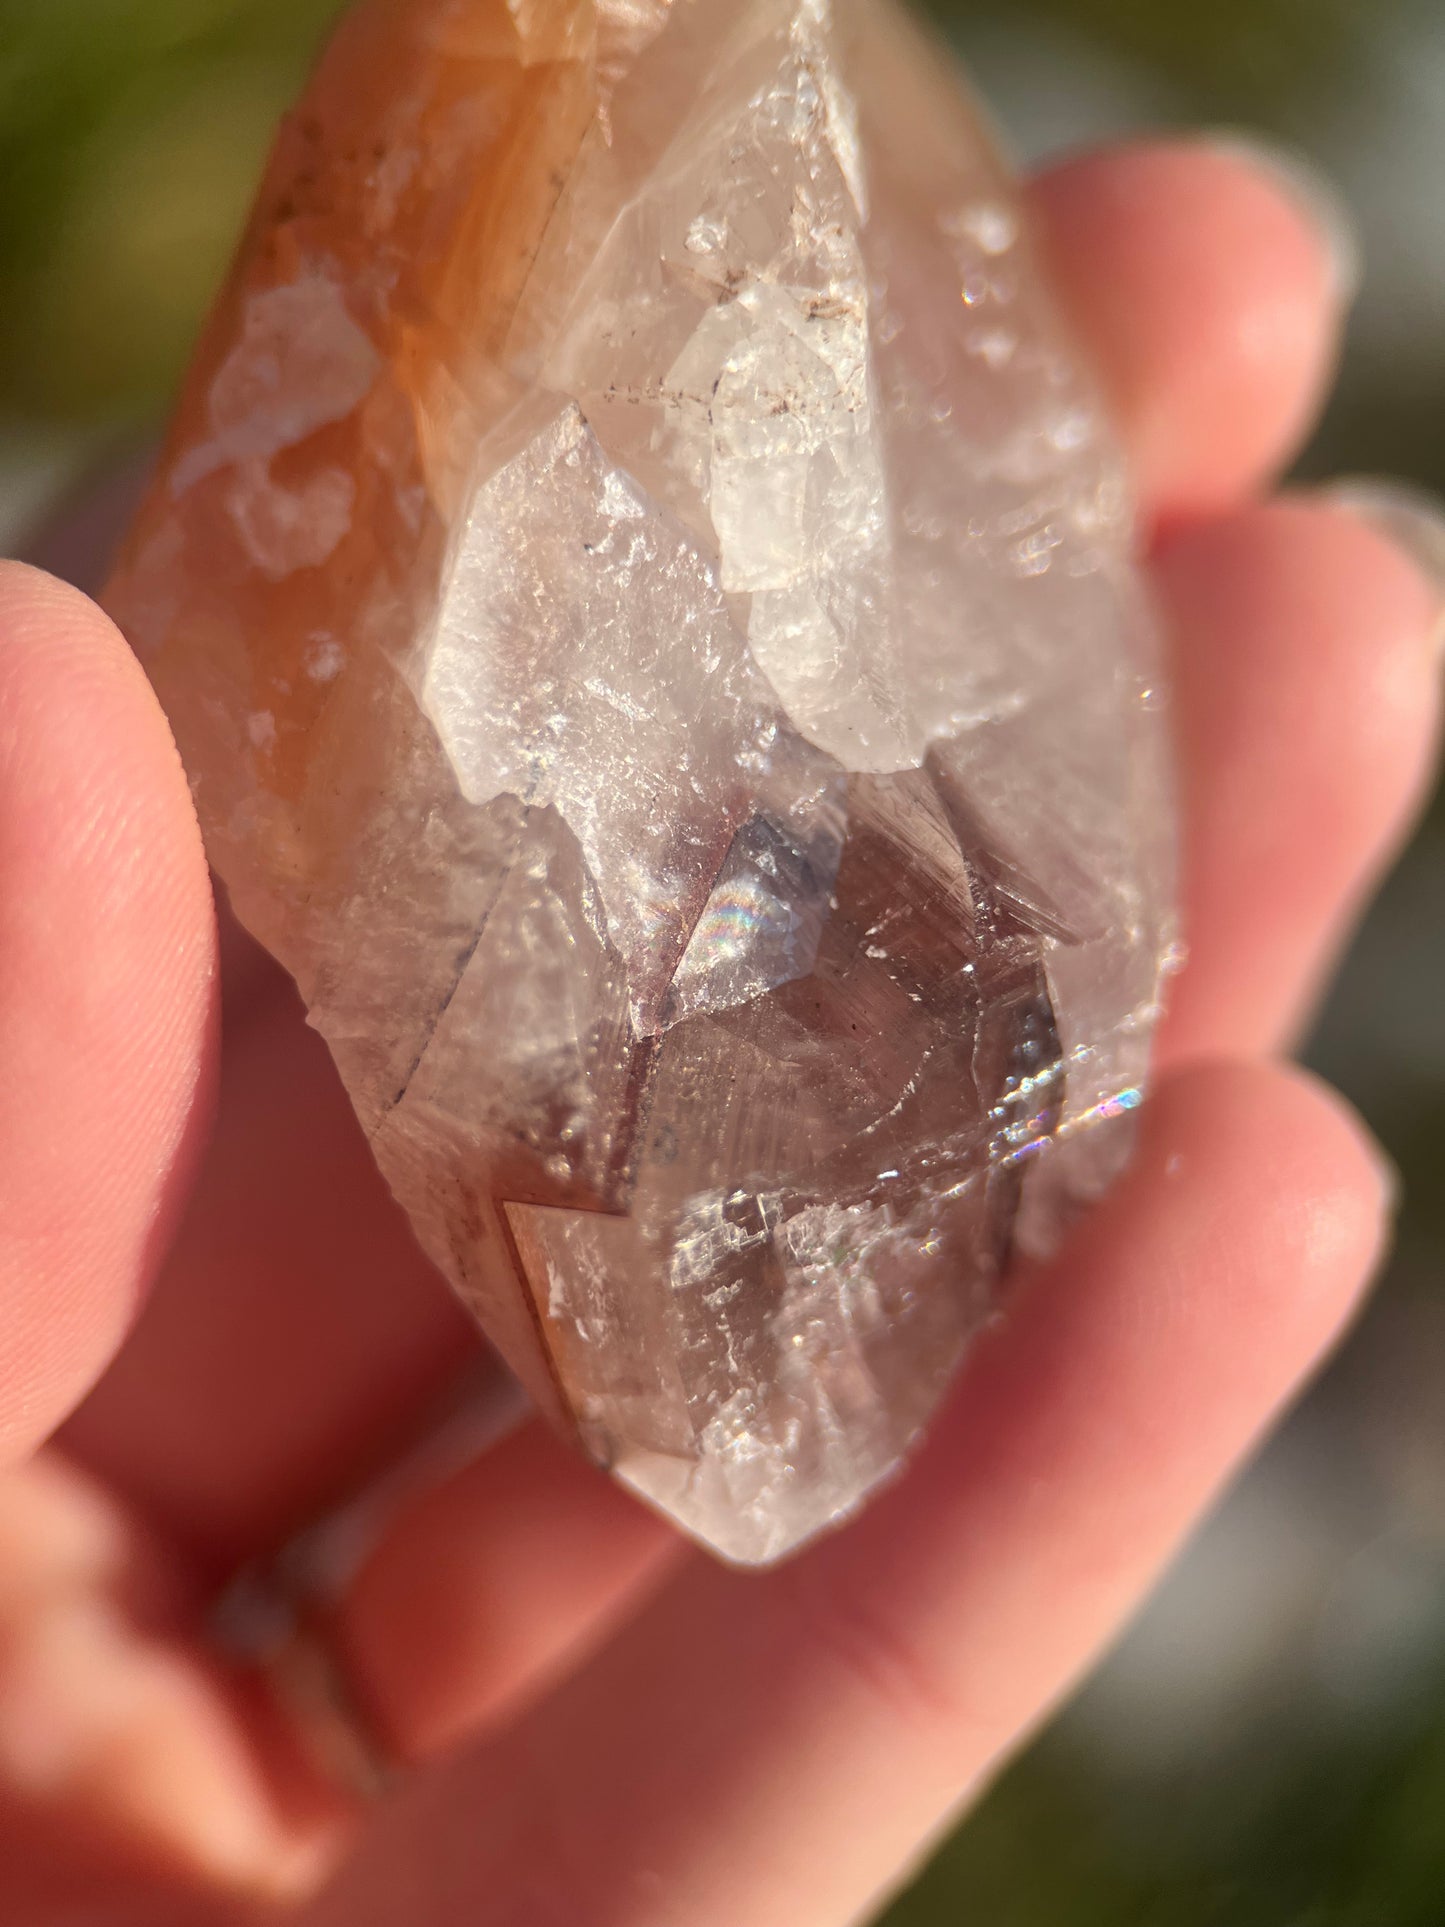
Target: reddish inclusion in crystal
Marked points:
423	165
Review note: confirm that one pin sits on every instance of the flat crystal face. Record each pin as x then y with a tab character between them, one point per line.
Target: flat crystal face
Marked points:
642	588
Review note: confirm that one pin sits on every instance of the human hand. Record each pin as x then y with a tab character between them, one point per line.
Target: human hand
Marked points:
593	1724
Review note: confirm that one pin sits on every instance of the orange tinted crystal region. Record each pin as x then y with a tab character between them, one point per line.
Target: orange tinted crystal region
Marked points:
641	585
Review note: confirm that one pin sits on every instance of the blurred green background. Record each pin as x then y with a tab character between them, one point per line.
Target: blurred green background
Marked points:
1267	1748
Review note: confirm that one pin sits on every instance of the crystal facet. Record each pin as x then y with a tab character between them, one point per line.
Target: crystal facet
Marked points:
642	588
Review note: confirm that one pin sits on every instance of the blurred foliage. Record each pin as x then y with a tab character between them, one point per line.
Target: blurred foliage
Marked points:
1329	1834
1234	54
131	132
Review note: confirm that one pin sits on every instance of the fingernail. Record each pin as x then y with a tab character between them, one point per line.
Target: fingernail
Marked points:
1412	518
1321	202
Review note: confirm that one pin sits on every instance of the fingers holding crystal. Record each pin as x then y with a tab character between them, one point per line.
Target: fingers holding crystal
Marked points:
1308	686
1212	300
1308	680
106	980
1210	280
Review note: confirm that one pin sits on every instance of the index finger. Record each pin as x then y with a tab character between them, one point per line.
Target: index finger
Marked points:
1209	280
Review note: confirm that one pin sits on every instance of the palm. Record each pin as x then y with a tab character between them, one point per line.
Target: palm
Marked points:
631	1734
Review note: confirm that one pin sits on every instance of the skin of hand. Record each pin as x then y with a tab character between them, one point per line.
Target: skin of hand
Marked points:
606	1729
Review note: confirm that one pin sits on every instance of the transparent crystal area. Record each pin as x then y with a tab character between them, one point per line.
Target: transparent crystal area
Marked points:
642	587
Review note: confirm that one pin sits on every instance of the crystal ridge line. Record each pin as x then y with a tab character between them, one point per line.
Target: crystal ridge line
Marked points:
641	584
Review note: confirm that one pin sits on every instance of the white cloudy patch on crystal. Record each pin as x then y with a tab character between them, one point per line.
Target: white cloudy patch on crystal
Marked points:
547	678
301	362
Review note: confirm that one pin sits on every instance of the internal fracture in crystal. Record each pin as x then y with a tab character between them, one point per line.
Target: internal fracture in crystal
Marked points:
641	585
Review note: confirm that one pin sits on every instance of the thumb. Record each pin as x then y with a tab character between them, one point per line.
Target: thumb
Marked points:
107	980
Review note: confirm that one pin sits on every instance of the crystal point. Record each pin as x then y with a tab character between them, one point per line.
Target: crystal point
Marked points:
641	584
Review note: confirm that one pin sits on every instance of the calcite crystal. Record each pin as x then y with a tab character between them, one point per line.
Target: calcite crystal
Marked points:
642	588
